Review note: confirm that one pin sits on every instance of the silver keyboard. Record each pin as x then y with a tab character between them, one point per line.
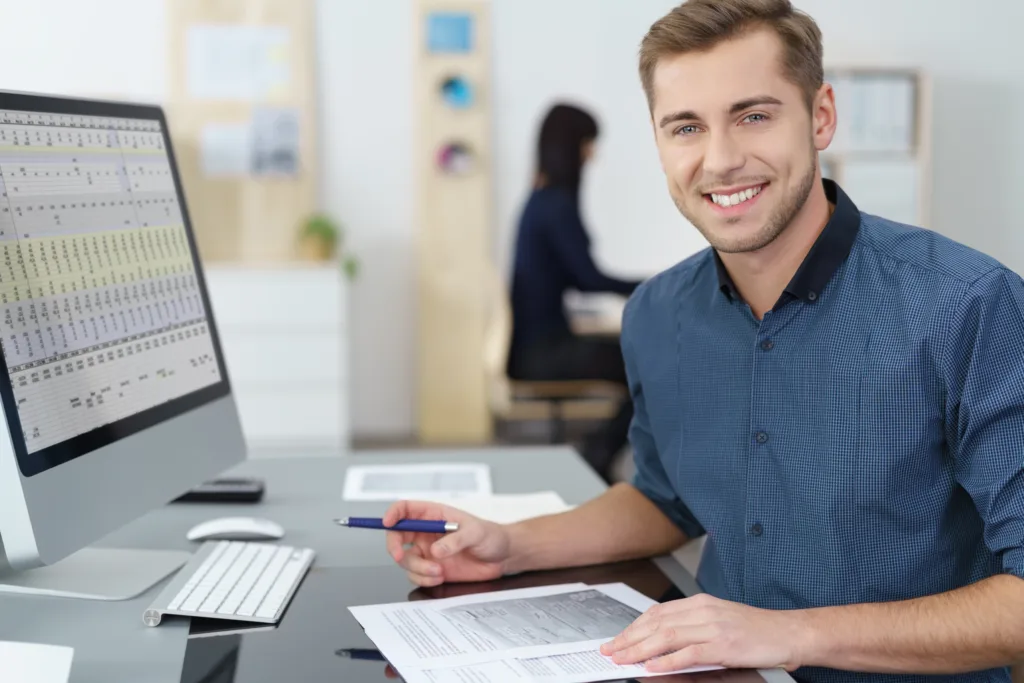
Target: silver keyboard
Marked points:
237	580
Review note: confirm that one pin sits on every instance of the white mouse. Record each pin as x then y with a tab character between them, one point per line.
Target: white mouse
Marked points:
235	529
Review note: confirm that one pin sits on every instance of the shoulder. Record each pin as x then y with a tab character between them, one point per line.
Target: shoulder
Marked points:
551	199
654	296
969	291
925	253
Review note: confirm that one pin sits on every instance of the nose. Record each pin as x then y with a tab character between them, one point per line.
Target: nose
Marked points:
723	156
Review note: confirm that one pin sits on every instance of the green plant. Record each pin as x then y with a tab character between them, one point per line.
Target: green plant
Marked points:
326	233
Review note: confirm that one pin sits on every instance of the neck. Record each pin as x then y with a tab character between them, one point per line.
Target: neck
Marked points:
761	276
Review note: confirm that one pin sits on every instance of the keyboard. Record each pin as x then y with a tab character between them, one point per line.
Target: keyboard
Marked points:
236	580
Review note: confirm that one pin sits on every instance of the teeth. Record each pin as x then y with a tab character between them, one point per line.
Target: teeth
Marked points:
735	198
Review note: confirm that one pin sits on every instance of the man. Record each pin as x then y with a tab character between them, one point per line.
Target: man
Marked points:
835	399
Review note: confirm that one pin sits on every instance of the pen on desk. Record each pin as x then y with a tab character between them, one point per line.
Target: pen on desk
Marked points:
418	525
363	653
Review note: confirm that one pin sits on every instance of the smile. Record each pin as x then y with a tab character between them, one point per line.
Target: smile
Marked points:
727	199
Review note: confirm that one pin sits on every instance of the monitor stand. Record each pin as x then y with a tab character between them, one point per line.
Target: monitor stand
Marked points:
98	574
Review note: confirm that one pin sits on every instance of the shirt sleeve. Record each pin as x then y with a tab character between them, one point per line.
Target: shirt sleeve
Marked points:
650	477
983	362
568	237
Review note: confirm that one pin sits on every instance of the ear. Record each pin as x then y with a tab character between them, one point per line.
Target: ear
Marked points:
824	117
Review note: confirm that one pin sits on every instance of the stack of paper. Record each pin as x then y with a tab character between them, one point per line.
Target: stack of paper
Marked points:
506	508
552	633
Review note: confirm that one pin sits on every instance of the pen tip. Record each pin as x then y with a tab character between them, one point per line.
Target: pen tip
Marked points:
343	521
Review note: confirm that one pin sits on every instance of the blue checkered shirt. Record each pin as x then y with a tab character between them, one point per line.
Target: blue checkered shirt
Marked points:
863	442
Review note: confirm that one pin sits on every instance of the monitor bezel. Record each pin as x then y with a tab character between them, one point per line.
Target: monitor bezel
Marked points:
32	464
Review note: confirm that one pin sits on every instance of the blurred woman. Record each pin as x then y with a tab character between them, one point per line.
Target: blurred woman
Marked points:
552	255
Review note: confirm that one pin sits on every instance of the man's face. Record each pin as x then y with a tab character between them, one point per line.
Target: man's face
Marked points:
736	140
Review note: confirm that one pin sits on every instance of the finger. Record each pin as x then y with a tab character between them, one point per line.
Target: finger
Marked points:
640	629
418	509
698	654
414	562
425	581
396	541
469	534
664	640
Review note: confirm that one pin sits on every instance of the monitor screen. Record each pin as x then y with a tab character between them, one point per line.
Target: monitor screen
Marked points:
103	320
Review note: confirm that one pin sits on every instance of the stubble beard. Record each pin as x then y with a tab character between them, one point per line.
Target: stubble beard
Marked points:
777	222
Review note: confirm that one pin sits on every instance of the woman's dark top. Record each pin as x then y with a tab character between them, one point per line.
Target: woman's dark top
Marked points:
552	255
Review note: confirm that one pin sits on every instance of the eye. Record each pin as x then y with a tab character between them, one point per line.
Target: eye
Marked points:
755	118
686	130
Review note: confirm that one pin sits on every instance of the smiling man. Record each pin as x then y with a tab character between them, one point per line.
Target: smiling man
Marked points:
835	399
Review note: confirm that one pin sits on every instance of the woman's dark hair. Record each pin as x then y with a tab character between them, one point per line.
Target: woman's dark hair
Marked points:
560	146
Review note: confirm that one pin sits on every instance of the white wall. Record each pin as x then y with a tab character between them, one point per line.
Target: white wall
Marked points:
544	50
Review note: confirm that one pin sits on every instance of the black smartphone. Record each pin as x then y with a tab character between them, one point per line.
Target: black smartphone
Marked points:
228	490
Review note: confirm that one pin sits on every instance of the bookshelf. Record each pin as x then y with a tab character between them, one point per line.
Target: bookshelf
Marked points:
881	153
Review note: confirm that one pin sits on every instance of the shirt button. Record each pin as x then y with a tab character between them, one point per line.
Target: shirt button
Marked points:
811	296
761	437
767	344
756	529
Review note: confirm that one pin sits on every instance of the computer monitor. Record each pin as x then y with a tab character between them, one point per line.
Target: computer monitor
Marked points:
115	395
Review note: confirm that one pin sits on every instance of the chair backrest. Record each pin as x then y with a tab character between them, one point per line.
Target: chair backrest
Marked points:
497	340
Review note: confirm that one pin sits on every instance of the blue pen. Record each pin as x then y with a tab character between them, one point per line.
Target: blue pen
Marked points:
418	525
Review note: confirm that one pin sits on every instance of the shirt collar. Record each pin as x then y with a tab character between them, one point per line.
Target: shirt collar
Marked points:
826	255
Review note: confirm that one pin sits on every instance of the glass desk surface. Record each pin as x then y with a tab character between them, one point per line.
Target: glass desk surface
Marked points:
318	639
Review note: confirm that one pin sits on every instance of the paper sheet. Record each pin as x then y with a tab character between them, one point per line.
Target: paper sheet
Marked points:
238	63
506	508
887	187
416	482
575	667
226	149
33	663
545	633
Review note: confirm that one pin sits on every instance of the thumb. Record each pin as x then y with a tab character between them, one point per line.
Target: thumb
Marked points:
452	544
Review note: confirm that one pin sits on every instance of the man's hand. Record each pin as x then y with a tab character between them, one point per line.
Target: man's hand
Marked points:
476	552
706	631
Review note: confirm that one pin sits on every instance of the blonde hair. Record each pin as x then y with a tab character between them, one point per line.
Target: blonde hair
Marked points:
699	25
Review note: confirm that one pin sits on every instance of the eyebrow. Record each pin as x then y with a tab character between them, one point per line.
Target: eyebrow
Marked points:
688	115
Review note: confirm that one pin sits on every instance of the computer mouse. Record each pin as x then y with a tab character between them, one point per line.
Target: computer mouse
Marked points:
235	529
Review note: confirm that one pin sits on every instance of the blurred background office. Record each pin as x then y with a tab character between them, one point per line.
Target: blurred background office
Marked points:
357	172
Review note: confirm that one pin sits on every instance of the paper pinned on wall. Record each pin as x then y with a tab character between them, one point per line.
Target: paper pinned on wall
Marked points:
887	188
225	149
275	141
35	663
238	63
876	112
265	145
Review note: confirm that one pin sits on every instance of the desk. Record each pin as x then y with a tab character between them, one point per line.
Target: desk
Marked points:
597	315
303	494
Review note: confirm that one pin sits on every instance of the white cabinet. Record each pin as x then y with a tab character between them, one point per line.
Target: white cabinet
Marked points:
284	334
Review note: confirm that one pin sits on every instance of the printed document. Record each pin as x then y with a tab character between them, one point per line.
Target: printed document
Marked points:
545	633
417	482
34	663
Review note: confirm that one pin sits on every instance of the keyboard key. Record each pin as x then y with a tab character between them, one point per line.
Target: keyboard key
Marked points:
265	583
276	597
248	580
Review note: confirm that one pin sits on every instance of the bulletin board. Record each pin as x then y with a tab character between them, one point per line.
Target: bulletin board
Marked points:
881	153
241	109
455	218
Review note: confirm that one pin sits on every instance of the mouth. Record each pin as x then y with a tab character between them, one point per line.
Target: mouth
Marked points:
734	201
